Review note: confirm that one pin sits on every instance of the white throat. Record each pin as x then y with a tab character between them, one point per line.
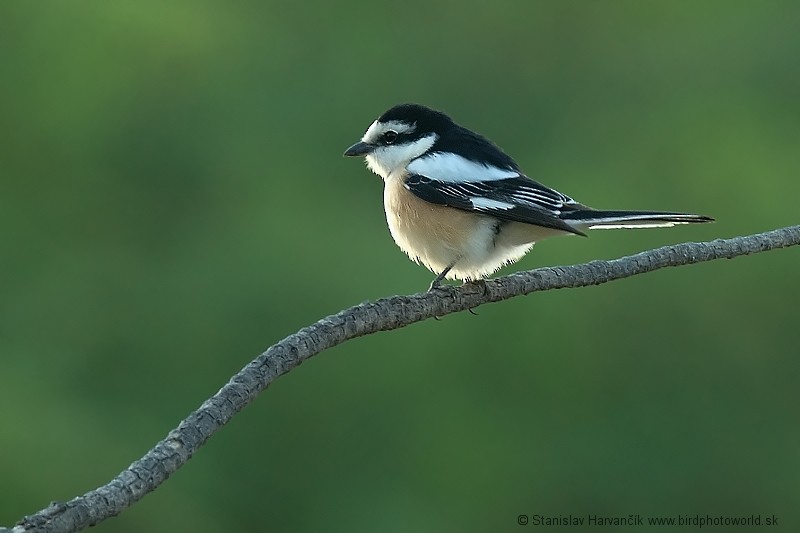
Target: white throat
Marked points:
386	159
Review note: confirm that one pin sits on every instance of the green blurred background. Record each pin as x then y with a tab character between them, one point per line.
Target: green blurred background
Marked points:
173	200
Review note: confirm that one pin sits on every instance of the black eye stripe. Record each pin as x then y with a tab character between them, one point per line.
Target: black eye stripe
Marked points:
389	137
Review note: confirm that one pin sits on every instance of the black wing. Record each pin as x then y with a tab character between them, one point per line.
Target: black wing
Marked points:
518	199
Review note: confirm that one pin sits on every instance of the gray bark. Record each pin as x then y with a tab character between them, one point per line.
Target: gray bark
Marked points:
147	473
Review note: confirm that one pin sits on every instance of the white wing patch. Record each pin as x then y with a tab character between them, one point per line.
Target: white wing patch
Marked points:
452	168
487	204
549	199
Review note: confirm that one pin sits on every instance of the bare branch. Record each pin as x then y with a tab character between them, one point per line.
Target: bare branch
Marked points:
147	473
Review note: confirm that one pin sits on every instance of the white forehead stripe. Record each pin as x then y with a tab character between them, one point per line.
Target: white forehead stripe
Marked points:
377	129
481	203
447	166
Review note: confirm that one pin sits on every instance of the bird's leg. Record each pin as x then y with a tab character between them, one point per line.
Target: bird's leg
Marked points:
435	283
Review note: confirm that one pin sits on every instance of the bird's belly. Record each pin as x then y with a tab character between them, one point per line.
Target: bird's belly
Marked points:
439	237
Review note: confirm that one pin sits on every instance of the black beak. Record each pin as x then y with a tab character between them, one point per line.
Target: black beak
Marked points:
359	148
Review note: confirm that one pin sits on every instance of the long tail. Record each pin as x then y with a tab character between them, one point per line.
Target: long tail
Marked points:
596	219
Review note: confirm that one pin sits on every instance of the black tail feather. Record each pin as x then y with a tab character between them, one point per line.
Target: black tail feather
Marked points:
597	219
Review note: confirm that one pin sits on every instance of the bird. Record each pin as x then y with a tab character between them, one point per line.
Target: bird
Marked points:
457	204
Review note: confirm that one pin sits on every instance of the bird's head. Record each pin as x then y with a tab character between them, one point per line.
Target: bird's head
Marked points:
402	134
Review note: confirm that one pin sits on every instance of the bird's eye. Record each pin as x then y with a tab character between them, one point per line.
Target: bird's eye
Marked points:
389	137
